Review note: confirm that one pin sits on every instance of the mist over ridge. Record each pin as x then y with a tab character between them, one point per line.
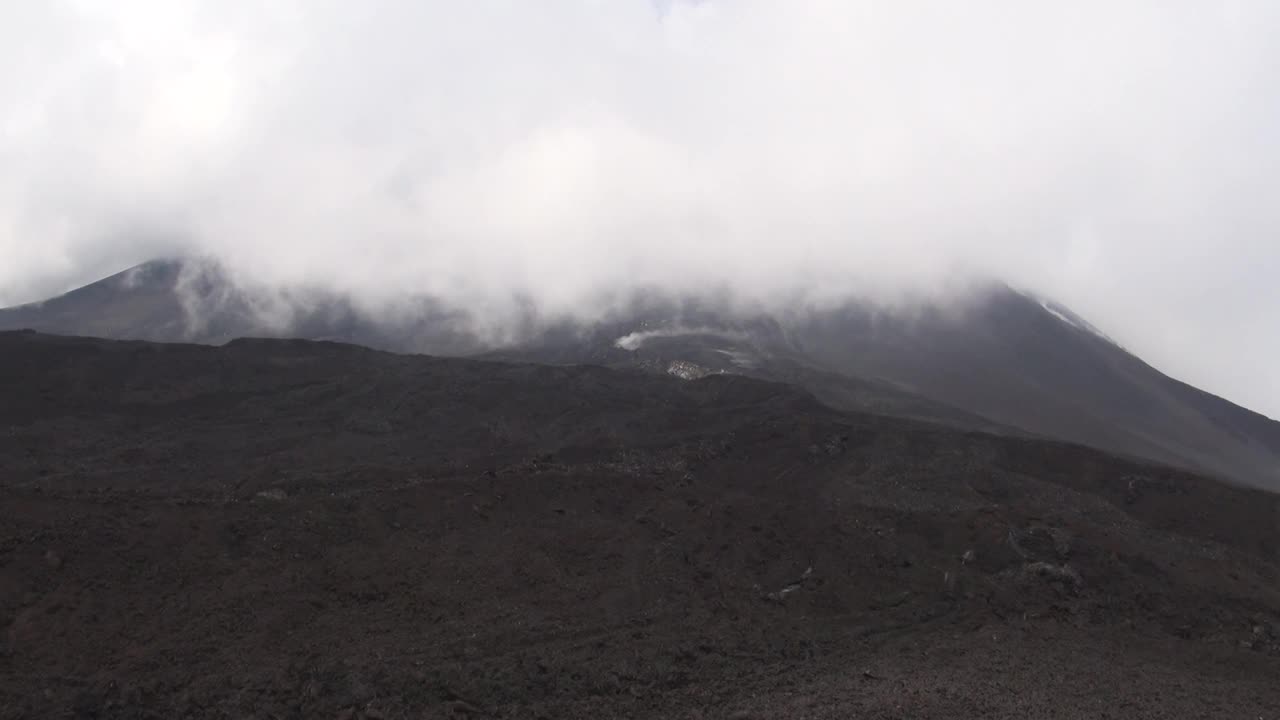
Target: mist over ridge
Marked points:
503	156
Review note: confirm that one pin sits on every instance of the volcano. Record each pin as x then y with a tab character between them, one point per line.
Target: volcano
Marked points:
999	360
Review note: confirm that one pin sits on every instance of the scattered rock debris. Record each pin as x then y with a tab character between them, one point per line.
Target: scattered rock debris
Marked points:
781	594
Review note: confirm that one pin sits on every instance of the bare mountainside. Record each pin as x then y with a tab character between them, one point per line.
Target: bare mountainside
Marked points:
1001	360
294	529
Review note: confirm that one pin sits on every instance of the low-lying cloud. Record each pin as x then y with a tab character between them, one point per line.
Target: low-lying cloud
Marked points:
1119	157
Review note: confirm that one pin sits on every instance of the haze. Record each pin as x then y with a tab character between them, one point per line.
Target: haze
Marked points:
1119	157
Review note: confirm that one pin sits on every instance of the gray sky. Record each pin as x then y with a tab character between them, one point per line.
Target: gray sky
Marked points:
1120	157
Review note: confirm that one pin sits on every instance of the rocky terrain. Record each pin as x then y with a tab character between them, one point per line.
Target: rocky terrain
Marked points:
990	359
290	529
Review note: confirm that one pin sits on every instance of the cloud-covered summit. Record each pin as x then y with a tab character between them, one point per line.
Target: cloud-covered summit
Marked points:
1119	158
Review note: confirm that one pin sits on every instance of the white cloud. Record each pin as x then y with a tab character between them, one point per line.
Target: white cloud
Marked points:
1120	157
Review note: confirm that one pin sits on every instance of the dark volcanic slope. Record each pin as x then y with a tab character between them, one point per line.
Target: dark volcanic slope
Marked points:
999	360
1031	365
1002	361
291	529
154	301
195	301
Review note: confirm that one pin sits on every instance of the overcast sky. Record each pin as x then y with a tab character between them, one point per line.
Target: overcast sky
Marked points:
1122	157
